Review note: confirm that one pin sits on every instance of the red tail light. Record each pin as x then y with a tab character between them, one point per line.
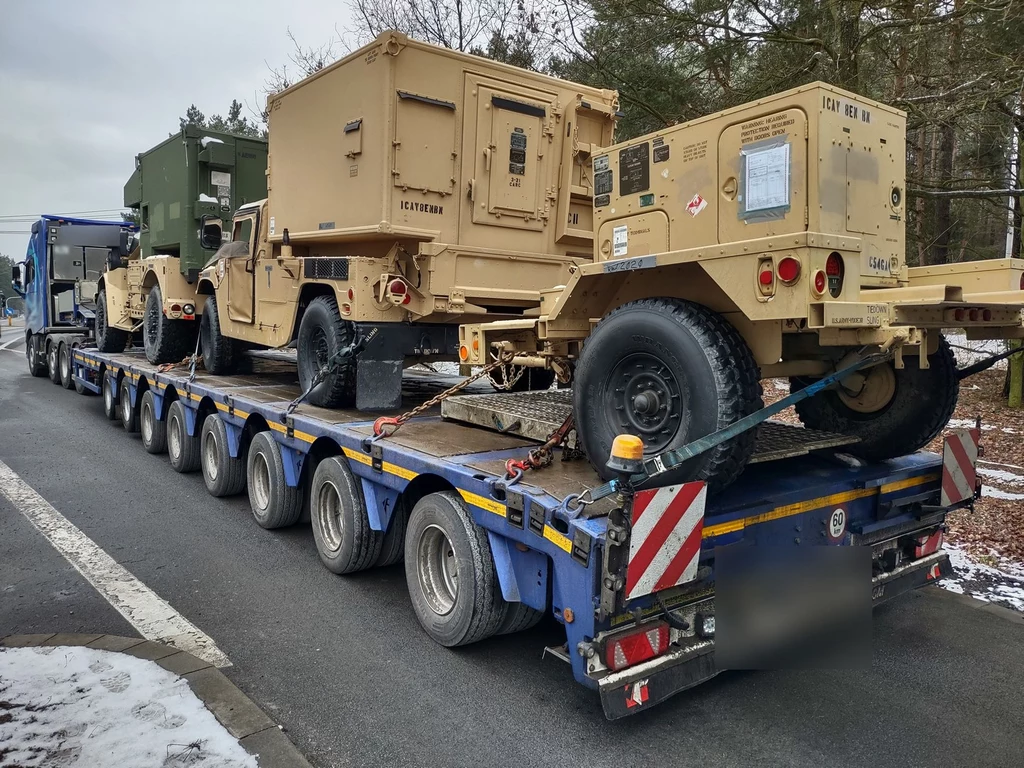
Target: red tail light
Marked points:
765	277
959	315
819	282
973	314
1022	282
397	287
927	544
639	644
834	269
789	270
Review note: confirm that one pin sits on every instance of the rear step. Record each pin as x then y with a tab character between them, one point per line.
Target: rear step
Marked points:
535	415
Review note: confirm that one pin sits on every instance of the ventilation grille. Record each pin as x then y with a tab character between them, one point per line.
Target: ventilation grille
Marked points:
321	268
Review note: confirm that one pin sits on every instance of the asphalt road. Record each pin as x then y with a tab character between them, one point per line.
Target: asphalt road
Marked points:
343	665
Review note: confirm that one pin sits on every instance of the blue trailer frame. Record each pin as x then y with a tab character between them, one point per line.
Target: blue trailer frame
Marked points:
545	556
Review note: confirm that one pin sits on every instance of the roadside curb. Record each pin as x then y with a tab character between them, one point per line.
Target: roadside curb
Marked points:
239	714
972	602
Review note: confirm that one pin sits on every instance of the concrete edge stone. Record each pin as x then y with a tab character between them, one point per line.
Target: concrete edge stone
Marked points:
972	602
240	715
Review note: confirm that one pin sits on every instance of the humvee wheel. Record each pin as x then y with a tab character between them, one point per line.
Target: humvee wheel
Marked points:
108	339
217	349
670	372
165	340
894	412
322	334
530	380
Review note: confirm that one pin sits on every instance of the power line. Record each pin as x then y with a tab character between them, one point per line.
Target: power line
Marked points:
34	216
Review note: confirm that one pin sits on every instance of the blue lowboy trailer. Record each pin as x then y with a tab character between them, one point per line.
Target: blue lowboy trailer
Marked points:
631	576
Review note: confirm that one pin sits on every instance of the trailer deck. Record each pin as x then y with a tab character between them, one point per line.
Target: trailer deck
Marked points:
549	558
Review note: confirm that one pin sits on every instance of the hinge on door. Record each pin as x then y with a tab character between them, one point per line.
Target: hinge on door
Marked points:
807	217
807	130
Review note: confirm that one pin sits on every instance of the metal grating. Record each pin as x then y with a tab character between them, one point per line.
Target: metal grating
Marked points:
325	268
535	415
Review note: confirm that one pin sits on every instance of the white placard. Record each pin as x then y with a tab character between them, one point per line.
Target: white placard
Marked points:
220	178
767	179
620	241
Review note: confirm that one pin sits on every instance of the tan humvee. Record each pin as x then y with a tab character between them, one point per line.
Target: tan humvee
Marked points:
410	188
767	240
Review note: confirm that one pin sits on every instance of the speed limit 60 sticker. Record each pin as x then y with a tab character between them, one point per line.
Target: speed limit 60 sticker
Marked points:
837	524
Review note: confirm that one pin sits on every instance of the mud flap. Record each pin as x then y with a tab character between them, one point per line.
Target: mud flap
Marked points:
634	693
378	384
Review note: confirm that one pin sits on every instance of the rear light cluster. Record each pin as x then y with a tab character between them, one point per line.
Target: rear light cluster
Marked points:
639	644
788	272
834	270
1022	281
398	292
973	315
464	350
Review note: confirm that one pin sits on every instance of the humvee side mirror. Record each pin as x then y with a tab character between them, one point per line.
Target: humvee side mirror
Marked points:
124	245
210	234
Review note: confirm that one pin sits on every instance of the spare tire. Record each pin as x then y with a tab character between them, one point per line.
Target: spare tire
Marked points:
895	412
322	334
670	372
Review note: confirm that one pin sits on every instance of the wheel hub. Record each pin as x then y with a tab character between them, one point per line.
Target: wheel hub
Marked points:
647	400
328	515
438	570
875	393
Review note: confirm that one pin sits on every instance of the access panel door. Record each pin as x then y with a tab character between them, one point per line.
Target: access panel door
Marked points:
513	137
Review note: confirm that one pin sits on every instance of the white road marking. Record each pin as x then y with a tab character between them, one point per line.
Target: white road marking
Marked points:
145	610
7	344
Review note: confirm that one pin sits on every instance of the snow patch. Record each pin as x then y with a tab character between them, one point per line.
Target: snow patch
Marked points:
1002	475
997	493
1003	586
72	706
208	140
969	424
205	198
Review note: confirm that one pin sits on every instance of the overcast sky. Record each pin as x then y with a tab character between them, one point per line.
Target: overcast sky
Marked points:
85	85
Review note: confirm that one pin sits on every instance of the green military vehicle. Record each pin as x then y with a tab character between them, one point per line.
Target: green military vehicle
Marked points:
196	177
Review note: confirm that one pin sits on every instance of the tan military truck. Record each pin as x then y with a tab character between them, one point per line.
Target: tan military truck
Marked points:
767	240
410	188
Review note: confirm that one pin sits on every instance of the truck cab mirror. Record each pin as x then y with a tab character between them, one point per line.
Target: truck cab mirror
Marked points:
211	234
16	278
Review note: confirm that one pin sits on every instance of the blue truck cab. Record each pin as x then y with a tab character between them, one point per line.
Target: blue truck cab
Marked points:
63	263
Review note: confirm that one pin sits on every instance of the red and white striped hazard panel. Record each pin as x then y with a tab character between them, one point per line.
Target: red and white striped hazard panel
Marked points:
664	543
959	465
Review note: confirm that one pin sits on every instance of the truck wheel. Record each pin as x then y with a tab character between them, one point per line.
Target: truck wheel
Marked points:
322	333
125	410
393	549
670	372
274	503
52	364
36	358
153	431
450	572
341	528
532	380
895	413
110	396
108	339
165	340
182	448
518	618
218	350
64	366
223	474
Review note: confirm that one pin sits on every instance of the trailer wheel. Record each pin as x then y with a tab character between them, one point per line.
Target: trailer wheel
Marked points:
531	380
518	618
341	528
153	431
165	340
129	414
322	333
110	396
896	412
182	448
223	474
36	358
64	366
108	339
274	503
393	549
218	350
450	572
52	364
670	372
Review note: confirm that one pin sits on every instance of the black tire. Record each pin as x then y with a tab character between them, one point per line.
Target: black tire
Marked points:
341	527
67	379
128	413
223	474
274	503
153	431
518	618
182	448
109	392
219	352
392	550
165	340
322	333
532	380
664	351
108	339
36	356
52	363
441	532
921	405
